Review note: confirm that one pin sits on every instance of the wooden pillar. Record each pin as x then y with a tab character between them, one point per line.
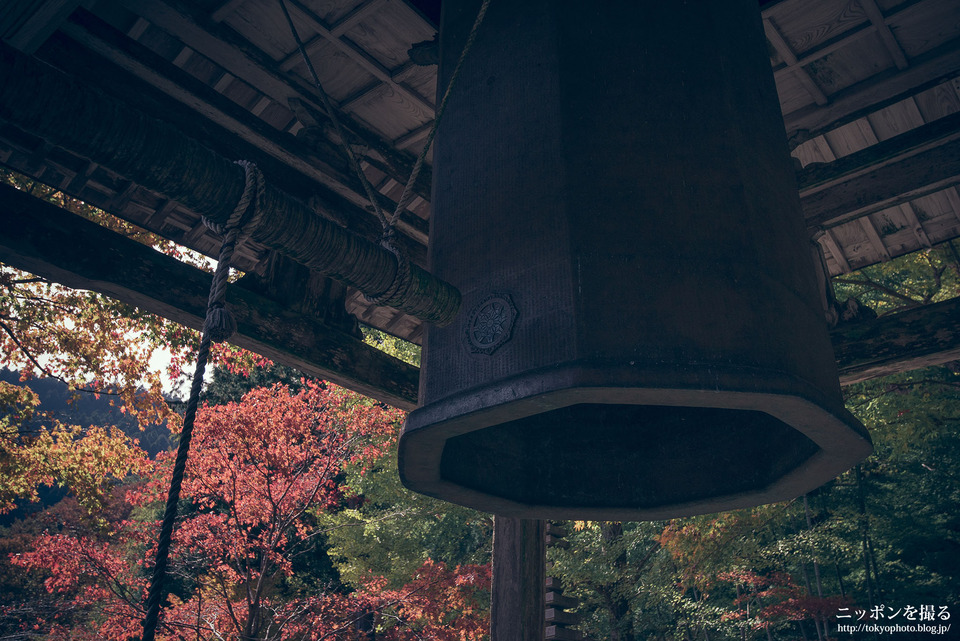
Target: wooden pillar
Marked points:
517	602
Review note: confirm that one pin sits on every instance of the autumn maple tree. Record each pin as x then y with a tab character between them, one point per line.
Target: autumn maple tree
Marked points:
261	473
96	346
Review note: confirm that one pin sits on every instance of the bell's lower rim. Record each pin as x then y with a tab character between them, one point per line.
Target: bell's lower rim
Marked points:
840	440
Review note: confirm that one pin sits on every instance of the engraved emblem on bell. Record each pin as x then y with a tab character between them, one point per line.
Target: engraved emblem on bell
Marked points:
490	324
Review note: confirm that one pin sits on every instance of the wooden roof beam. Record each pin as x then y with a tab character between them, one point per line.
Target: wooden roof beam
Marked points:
911	216
874	237
889	40
182	87
289	152
901	342
361	58
342	26
915	163
953	197
47	241
36	25
163	159
830	242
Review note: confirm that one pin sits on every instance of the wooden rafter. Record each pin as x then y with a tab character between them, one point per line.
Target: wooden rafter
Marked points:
293	157
830	242
144	65
874	237
889	40
46	16
226	49
362	59
915	225
793	64
331	34
953	197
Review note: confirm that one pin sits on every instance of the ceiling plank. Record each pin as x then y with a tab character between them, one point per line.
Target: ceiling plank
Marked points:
291	153
213	106
883	89
230	51
361	58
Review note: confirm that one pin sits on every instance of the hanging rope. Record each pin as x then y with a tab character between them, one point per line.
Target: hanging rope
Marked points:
218	327
407	194
388	236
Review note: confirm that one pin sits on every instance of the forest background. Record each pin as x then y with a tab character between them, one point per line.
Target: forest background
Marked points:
294	525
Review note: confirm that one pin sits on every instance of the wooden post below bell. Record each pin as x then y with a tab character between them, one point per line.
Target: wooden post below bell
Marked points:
517	600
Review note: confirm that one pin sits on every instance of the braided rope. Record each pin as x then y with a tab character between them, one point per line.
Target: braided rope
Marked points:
332	114
218	326
407	194
249	203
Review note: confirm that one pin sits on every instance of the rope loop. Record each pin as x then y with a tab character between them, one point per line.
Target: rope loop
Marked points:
403	277
253	188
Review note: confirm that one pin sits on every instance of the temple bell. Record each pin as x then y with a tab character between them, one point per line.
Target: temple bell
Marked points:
641	334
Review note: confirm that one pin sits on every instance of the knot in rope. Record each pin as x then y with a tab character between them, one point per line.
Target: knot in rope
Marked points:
220	324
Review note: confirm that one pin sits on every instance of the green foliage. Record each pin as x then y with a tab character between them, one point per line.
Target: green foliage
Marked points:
230	386
615	570
391	531
396	347
84	460
889	535
915	279
912	488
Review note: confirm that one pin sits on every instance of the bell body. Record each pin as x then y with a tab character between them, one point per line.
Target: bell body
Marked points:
641	335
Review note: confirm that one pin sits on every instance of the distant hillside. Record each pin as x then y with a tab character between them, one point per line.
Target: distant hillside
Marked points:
85	409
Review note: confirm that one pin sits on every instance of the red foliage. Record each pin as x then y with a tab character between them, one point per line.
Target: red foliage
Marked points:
447	604
258	472
779	599
237	360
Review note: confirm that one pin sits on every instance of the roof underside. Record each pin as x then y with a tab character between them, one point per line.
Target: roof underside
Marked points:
869	90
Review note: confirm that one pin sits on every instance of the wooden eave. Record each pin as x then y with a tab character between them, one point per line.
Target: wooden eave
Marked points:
869	90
